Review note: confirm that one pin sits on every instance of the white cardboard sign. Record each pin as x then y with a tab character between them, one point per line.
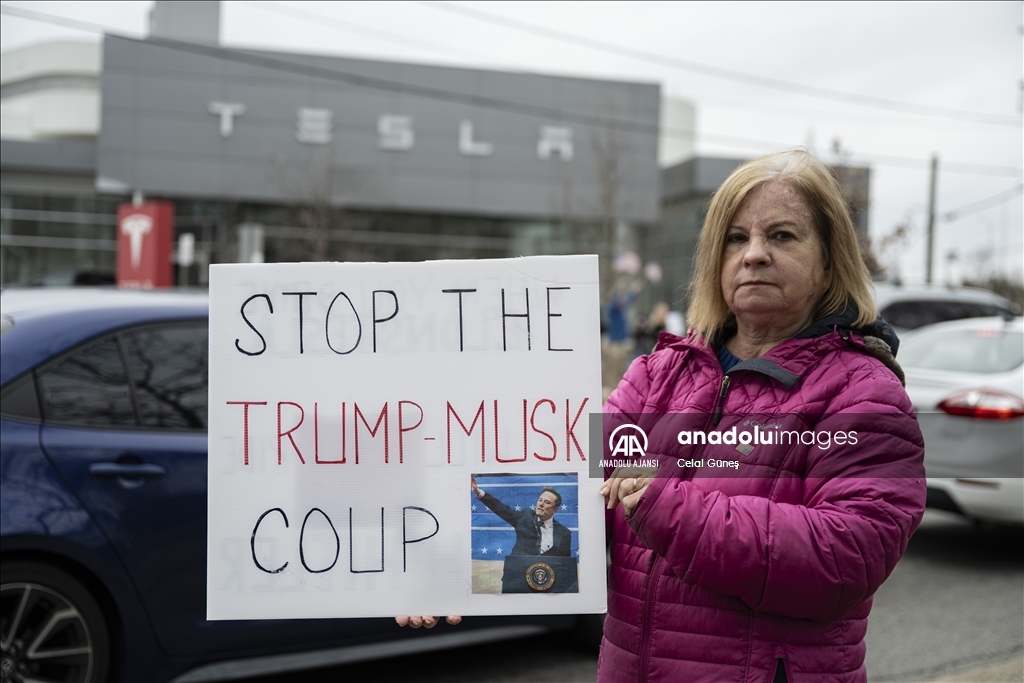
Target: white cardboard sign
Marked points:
352	405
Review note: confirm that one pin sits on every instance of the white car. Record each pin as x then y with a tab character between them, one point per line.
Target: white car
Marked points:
966	380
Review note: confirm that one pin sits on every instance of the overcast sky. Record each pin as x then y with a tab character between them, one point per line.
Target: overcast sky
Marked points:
957	57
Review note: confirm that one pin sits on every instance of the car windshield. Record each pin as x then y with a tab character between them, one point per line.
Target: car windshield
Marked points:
983	351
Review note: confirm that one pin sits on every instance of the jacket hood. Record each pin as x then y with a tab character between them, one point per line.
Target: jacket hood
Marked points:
845	320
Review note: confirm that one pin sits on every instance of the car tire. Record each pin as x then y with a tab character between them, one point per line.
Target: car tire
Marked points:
52	627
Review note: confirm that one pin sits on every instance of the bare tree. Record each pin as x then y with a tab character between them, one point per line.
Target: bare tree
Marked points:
890	246
867	253
607	144
854	182
308	189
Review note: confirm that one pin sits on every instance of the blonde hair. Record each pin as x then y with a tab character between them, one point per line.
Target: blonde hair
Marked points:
846	276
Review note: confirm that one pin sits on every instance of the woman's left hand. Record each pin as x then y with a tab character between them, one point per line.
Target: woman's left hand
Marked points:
625	487
427	621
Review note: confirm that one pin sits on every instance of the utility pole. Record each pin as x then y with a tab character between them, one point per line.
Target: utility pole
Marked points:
931	219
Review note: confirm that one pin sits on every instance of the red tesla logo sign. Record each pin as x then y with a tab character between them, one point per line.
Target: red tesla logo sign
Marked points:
144	236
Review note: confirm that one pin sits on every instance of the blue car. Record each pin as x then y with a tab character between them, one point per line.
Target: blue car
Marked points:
103	506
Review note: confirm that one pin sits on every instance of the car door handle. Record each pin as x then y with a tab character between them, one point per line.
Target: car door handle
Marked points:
126	470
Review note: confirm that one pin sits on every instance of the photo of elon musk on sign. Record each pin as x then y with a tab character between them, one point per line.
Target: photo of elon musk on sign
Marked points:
524	533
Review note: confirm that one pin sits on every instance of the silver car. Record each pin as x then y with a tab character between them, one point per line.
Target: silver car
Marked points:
966	379
907	307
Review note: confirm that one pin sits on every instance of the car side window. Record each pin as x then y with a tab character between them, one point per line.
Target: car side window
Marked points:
910	315
168	368
20	400
88	387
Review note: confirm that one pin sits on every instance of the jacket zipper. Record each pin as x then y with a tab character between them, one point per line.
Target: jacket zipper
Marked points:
652	578
645	632
721	400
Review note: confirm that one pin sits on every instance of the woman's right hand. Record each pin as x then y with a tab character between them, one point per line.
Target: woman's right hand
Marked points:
427	622
625	486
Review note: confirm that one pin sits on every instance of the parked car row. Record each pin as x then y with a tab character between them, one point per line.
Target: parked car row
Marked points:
962	353
966	379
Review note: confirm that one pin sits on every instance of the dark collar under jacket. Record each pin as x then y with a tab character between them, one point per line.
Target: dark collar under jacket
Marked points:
844	319
841	322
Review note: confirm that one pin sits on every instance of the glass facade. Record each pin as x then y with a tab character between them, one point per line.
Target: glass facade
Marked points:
57	234
53	236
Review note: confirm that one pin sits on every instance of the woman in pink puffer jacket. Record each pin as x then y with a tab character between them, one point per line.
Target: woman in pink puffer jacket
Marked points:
753	555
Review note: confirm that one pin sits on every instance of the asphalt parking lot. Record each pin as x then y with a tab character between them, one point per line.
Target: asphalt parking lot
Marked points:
952	611
955	603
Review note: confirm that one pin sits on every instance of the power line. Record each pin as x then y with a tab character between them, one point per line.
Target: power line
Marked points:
983	204
406	41
666	131
721	72
32	15
947	166
264	60
858	118
358	29
267	61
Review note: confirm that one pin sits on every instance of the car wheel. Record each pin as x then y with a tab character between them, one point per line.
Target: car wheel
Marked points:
51	628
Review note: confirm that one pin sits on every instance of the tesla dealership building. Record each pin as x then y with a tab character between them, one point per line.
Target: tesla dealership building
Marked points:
265	156
284	157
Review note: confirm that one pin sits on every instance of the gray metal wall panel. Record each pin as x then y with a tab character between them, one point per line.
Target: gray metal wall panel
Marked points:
66	156
697	176
711	173
158	136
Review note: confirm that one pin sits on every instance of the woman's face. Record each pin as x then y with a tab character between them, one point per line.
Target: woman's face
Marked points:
773	265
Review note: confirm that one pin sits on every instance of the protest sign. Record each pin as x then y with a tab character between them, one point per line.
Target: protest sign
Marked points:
404	438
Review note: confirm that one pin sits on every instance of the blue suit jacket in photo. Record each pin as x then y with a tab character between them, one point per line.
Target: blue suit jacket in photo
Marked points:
527	526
